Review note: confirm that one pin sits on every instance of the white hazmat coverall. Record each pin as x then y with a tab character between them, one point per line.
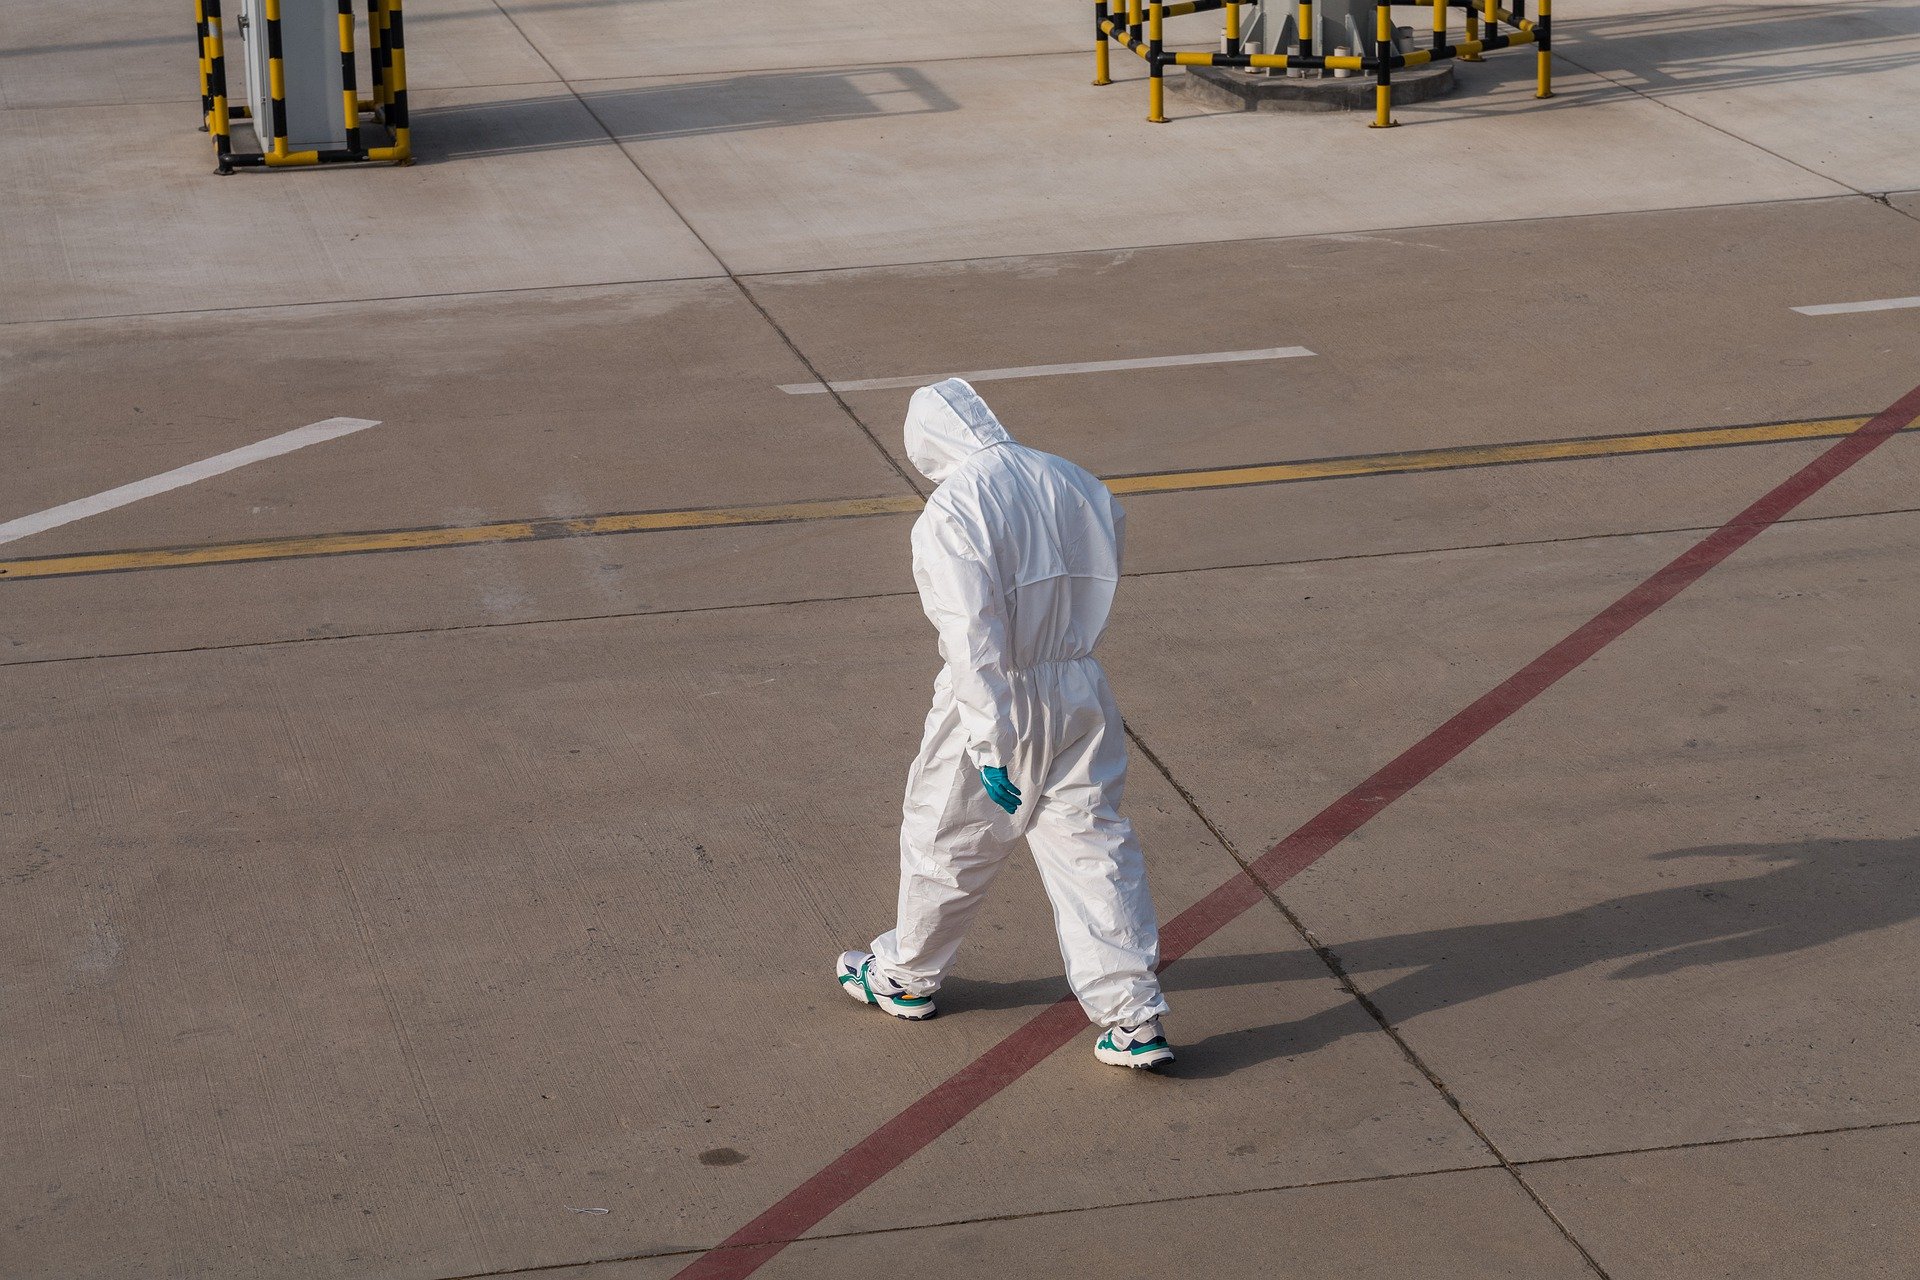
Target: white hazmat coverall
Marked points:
1017	556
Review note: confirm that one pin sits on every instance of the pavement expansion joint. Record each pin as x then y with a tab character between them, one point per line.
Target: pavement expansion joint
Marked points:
310	303
1661	100
1846	193
1886	200
907	477
1742	1140
975	260
1372	1009
634	614
1361	1180
1400	552
613	139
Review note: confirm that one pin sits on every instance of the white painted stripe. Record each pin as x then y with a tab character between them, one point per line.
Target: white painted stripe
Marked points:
179	477
1841	308
1048	370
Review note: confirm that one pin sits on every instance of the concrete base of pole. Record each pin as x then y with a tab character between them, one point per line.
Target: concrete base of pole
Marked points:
1228	88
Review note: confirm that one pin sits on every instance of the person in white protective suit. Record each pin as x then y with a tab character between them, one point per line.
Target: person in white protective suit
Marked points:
1017	556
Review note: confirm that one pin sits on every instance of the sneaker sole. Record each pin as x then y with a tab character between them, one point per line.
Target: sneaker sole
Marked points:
851	985
1134	1061
905	1017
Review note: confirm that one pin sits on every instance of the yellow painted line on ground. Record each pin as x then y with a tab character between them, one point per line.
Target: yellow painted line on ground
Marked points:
1377	464
347	544
1492	455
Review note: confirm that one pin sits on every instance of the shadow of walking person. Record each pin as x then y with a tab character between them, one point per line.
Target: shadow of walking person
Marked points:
1803	895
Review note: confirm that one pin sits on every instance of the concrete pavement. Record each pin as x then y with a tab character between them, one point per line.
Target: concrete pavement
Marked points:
390	914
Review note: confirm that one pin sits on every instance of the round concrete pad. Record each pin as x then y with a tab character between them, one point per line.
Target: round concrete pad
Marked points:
1231	89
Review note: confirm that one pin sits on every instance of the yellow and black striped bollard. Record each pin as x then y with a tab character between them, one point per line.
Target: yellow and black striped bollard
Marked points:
219	118
1543	44
349	89
1100	68
1383	52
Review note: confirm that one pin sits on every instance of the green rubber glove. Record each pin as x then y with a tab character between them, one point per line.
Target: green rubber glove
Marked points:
999	790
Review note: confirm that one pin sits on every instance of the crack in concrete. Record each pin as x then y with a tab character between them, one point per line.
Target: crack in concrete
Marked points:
1708	124
1722	1142
993	1217
1103	251
1366	1003
906	478
1237	1192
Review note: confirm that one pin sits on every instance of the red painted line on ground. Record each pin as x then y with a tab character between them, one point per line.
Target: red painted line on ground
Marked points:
889	1146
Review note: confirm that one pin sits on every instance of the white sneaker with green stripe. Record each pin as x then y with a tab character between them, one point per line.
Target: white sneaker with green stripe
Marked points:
857	979
1141	1046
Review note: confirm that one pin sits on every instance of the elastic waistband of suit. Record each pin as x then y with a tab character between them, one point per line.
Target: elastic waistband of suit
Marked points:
1049	663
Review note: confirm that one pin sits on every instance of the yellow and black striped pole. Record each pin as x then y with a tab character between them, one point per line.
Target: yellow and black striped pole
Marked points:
1156	84
1100	68
1439	28
200	54
401	152
1233	29
276	83
1543	44
349	89
218	121
1306	30
397	118
1383	87
377	54
1473	33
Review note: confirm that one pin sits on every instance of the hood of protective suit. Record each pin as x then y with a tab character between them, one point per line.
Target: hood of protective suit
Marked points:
947	423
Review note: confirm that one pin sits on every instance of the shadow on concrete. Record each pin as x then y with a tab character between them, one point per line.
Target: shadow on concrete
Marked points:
1806	895
676	109
1194	973
184	38
1668	53
1723	46
1802	896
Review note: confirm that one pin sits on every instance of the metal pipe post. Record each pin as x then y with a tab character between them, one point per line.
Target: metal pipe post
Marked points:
219	123
1383	51
1156	84
200	53
377	55
396	115
1543	45
1100	67
276	84
349	89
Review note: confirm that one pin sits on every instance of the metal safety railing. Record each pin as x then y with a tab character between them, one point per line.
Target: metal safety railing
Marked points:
387	56
1138	27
